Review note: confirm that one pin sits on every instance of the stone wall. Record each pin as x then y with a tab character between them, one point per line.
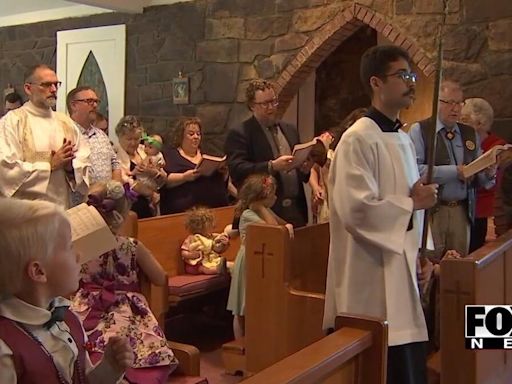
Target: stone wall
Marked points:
222	44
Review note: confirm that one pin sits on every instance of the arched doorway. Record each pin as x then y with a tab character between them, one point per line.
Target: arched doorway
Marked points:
334	33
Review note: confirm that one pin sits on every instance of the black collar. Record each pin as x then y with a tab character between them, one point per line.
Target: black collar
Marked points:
384	122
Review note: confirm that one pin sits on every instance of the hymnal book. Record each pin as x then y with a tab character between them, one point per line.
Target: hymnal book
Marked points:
301	152
209	164
90	235
486	160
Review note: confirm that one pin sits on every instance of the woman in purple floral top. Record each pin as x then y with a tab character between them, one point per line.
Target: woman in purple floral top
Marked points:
109	301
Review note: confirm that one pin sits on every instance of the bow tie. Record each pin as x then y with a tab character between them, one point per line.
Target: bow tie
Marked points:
58	314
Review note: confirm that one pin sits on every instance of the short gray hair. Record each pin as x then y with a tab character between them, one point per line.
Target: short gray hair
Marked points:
30	230
128	124
479	109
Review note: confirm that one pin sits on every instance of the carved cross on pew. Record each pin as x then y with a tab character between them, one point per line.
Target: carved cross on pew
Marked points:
264	255
458	292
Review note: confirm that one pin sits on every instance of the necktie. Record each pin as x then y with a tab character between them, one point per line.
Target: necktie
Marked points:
58	314
273	132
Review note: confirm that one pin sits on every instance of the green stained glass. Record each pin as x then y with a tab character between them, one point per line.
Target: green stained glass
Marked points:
91	77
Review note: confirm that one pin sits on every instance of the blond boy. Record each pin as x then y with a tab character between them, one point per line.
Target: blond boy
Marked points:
40	339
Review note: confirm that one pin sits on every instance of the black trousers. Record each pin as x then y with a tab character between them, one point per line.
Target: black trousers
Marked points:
407	364
478	234
292	214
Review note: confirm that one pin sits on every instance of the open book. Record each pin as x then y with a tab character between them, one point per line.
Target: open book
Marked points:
301	152
209	164
90	235
486	160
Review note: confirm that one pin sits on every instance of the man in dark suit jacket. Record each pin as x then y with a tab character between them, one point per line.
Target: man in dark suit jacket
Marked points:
262	144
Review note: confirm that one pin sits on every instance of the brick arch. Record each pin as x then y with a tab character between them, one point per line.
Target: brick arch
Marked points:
330	36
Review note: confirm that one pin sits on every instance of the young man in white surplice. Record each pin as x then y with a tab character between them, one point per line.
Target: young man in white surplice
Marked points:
376	217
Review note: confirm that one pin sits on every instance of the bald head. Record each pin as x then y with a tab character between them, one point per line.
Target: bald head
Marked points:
449	85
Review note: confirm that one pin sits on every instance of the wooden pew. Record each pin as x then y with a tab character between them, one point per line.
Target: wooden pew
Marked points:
355	353
164	235
284	295
485	277
188	370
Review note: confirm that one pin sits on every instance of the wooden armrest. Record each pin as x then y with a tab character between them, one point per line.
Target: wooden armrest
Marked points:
188	356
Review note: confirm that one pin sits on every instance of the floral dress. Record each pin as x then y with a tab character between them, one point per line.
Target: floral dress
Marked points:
109	303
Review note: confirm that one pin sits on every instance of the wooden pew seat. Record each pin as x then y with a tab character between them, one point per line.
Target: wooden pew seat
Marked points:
164	235
184	287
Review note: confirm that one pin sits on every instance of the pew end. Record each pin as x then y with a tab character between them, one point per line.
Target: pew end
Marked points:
285	280
482	278
355	353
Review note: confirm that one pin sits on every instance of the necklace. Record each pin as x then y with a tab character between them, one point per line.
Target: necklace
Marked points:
78	369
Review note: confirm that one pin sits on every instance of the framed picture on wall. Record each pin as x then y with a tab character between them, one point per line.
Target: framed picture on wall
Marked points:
180	90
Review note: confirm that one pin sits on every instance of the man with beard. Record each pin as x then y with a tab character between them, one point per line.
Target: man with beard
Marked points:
82	103
262	144
42	153
376	210
457	144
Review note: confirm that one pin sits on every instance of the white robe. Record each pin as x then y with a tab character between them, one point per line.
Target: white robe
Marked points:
28	135
372	257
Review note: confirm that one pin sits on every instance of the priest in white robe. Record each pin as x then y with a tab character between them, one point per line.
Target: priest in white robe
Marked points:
376	218
42	154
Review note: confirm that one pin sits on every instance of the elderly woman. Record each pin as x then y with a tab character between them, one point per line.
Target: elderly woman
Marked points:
479	114
185	188
131	155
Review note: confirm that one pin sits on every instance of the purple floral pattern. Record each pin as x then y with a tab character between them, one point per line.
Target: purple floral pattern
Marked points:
128	314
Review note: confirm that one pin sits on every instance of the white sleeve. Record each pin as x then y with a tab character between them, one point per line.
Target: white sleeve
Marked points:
7	370
16	173
81	163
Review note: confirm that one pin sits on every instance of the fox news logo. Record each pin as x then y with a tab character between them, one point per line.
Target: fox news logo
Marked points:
488	327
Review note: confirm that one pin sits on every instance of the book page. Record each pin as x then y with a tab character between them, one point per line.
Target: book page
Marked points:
486	160
210	164
90	235
301	152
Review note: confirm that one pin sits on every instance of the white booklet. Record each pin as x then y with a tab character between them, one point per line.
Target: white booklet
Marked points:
209	164
486	160
90	235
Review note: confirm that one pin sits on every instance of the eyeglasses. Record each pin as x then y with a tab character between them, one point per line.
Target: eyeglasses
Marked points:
405	76
49	84
89	101
453	103
268	104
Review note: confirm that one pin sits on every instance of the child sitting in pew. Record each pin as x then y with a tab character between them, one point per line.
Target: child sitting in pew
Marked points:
41	340
257	195
202	248
109	301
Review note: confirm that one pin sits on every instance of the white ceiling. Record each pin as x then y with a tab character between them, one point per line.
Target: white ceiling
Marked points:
9	7
15	12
